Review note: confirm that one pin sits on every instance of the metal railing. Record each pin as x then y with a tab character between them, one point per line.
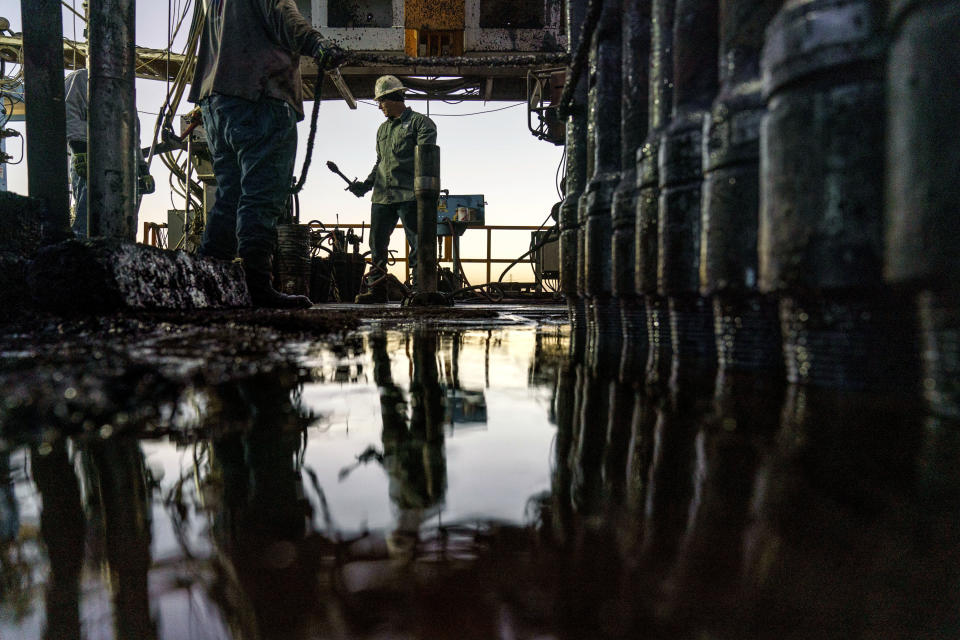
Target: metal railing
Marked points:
155	235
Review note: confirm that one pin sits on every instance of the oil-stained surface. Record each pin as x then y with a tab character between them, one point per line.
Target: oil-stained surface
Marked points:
282	476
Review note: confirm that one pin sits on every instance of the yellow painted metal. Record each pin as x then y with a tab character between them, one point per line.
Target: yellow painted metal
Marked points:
435	15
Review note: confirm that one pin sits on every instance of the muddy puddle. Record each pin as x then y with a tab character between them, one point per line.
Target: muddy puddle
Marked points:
473	480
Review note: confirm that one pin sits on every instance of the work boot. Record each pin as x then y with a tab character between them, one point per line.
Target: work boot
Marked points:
377	294
265	296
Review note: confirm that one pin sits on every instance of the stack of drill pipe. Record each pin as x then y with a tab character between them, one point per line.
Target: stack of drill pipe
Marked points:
648	184
821	237
576	178
746	322
293	259
635	117
923	185
603	126
681	181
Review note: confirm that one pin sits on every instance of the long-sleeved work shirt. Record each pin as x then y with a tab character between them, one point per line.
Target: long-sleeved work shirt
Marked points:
392	175
251	49
75	100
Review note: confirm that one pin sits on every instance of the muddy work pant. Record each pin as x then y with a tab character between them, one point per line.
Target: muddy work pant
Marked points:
79	185
383	218
253	145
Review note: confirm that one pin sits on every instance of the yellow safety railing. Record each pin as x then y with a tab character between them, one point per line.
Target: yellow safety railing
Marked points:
155	235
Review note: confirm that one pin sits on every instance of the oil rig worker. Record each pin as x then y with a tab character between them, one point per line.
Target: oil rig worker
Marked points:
392	180
247	83
75	101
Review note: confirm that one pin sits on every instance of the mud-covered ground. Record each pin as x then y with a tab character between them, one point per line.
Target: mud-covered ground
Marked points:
124	370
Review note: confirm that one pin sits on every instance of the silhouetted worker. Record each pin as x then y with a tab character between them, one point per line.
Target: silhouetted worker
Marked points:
248	85
392	180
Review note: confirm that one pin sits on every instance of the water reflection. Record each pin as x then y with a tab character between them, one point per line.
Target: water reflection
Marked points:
490	484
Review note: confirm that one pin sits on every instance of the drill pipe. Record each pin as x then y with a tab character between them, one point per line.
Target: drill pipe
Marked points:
427	190
634	119
576	178
820	236
747	326
681	177
112	120
660	98
923	162
603	131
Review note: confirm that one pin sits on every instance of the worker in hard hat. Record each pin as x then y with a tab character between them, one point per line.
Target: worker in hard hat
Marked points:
247	82
392	180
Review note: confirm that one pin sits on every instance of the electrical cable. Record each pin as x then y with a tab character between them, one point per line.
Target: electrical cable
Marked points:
318	84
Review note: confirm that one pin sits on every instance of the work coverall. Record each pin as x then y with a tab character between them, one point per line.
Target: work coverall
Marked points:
392	181
248	85
75	101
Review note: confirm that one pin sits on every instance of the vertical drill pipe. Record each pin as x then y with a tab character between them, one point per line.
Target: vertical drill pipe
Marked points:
603	126
821	237
634	118
923	162
112	120
680	162
46	115
576	178
426	163
746	322
660	99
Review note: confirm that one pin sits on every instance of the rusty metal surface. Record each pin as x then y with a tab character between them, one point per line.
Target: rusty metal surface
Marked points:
434	14
46	118
520	60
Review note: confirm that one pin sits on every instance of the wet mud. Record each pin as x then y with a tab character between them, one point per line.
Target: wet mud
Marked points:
363	473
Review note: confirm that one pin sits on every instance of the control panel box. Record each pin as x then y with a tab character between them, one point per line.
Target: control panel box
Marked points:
463	211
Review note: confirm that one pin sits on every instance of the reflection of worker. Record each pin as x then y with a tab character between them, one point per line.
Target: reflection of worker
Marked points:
75	99
248	85
413	454
392	179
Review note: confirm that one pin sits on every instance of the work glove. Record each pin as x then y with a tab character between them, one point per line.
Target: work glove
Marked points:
79	163
146	184
328	54
358	188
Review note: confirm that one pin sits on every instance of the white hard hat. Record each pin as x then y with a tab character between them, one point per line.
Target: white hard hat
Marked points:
385	85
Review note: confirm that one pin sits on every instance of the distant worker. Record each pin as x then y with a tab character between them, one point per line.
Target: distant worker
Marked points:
392	180
248	85
75	99
75	87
